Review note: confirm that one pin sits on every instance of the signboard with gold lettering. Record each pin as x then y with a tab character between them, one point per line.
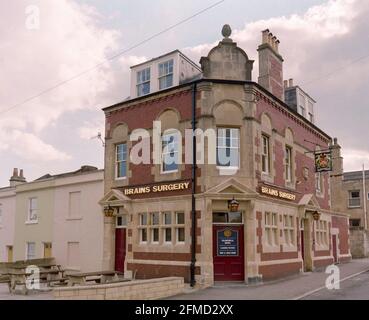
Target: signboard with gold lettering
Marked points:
278	193
157	189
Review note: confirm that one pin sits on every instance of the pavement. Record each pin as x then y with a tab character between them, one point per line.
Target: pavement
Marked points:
354	284
302	286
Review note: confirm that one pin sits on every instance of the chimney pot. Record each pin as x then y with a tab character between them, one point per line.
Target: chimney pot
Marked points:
290	82
15	172
270	39
335	141
21	173
285	82
265	34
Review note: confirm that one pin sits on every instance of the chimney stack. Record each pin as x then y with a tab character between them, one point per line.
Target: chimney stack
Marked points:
271	65
17	178
290	82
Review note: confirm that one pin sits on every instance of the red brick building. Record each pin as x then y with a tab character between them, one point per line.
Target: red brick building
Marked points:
246	211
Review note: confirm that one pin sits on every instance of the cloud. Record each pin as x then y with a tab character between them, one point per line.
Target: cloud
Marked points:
326	51
70	40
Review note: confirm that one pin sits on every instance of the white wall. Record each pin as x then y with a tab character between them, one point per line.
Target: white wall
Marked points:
8	204
79	238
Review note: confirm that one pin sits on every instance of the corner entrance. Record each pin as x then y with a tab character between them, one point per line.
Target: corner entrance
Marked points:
228	247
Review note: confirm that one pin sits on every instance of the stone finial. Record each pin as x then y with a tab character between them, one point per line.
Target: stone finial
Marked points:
226	31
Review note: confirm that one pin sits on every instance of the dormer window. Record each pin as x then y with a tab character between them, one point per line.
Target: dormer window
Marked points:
166	74
143	82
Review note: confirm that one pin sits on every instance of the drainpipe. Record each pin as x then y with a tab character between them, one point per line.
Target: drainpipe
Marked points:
193	186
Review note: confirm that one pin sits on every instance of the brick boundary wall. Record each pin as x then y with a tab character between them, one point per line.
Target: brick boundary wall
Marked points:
151	289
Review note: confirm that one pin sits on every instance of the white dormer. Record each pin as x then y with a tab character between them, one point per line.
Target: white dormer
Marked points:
169	70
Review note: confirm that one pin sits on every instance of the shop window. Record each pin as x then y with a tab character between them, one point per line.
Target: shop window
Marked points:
121	161
265	155
227	217
354	199
143	82
166	74
289	230
170	155
143	227
167	217
155	227
321	232
288	164
228	147
271	228
180	228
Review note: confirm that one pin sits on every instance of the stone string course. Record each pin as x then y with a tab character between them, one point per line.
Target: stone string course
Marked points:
134	290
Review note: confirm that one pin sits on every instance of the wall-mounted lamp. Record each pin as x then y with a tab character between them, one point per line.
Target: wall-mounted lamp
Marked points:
109	211
233	205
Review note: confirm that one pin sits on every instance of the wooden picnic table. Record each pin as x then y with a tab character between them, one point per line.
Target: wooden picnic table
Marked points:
18	277
97	277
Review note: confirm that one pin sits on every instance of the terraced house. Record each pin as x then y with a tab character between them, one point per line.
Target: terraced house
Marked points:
262	214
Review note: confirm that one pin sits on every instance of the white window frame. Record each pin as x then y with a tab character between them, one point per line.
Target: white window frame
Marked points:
289	230
140	83
265	154
349	203
32	213
143	227
168	151
180	226
321	233
27	250
167	226
232	137
117	162
154	227
271	229
167	73
288	164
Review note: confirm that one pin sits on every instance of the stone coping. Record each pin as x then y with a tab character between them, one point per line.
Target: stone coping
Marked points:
120	284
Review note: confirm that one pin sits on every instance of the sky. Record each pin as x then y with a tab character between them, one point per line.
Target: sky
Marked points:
324	45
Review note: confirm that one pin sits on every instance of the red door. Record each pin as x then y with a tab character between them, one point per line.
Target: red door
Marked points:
334	245
228	253
120	249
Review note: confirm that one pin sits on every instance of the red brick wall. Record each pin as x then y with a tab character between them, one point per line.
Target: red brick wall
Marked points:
279	270
282	119
142	115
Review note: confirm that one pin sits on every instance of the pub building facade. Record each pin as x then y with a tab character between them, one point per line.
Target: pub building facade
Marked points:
264	214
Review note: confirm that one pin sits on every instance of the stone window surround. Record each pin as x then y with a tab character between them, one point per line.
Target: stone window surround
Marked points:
161	226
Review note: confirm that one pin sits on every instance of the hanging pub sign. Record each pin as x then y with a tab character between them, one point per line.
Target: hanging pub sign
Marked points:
323	161
227	243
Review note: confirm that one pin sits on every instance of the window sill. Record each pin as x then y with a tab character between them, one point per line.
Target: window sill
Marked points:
31	222
73	218
169	172
120	179
267	248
